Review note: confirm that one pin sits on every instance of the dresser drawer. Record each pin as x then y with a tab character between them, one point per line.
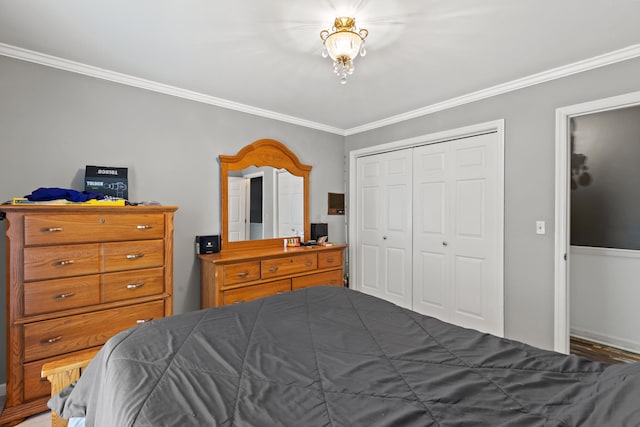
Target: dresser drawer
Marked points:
132	284
241	272
332	278
34	385
329	259
69	228
249	293
133	255
66	334
61	294
61	261
289	265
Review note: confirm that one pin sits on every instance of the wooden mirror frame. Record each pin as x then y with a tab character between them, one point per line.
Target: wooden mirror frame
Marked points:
263	152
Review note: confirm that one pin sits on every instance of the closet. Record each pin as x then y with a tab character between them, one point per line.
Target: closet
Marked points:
428	229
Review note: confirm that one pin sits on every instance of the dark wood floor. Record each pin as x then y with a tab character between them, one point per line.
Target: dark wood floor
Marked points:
600	352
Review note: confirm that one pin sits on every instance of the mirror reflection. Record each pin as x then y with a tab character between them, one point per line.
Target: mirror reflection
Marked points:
264	202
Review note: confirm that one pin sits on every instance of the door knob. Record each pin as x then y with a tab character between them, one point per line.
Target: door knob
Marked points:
445	244
384	237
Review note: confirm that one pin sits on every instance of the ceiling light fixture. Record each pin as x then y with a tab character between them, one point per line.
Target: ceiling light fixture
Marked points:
342	44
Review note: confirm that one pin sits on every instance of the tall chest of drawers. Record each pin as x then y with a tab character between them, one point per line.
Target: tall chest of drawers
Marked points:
236	276
75	277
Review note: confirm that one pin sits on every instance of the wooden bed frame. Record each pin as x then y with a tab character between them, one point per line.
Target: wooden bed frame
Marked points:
63	372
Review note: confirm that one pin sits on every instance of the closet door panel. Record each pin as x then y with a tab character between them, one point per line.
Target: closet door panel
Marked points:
470	199
396	280
432	231
430	287
474	244
468	295
385	192
368	270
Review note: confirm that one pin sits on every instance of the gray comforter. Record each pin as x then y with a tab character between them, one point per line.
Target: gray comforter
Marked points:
329	356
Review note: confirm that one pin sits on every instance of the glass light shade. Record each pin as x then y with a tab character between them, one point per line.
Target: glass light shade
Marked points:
343	44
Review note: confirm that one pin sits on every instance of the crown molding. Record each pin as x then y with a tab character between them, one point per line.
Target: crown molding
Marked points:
125	79
613	57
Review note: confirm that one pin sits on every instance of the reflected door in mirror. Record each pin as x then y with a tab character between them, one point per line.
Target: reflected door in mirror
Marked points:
290	192
245	200
237	209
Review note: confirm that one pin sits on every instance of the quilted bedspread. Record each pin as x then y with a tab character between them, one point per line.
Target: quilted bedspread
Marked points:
330	356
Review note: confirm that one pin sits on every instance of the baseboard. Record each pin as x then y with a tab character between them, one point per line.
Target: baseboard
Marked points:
620	343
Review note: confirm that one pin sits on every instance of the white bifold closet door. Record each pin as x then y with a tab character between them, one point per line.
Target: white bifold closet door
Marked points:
385	226
455	235
428	230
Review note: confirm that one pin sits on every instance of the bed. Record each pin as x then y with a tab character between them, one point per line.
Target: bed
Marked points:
329	356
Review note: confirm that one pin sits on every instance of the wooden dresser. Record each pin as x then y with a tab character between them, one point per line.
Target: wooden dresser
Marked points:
75	277
243	275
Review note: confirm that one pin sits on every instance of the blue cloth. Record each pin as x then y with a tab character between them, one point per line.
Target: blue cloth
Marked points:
44	194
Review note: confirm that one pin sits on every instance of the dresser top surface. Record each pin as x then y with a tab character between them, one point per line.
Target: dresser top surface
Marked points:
61	209
251	254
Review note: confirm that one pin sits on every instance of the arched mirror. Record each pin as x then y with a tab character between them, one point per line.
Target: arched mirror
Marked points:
264	196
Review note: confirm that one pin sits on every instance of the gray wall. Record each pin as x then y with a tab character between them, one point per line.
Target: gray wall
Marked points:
529	179
53	123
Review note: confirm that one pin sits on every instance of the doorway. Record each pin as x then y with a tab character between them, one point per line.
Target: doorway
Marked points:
563	250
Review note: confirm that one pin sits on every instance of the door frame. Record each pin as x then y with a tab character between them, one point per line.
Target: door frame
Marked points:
496	126
562	324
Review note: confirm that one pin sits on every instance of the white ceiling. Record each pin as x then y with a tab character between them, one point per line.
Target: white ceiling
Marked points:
266	53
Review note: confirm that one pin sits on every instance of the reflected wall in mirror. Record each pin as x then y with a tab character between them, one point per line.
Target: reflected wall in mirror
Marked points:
265	196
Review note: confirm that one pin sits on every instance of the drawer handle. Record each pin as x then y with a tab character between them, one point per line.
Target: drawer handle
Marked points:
308	263
243	274
135	285
51	230
141	321
144	227
51	340
273	269
333	282
63	263
134	256
329	259
63	296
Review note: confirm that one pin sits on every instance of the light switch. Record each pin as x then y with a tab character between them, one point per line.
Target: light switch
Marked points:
540	227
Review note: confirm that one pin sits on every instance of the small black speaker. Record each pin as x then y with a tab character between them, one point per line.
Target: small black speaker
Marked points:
207	244
319	229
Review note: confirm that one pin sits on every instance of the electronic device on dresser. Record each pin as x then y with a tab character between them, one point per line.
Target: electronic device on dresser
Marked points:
319	229
249	269
207	244
75	277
